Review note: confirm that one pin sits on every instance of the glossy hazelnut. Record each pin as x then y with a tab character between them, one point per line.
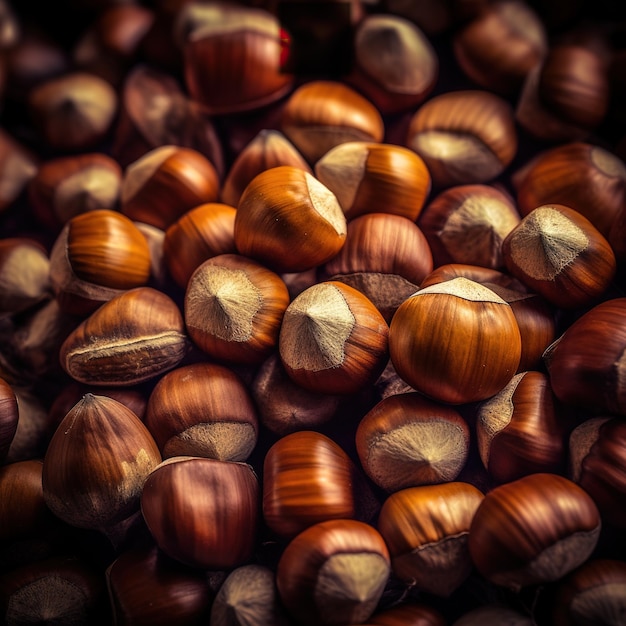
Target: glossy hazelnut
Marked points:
165	183
598	464
385	256
567	96
558	253
202	409
395	64
234	307
97	256
534	315
247	594
333	339
307	478
232	56
582	176
283	405
455	341
145	586
374	178
96	464
573	83
321	114
426	529
205	231
468	223
74	112
23	511
24	275
536	320
406	440
154	112
288	220
132	338
520	431
594	592
66	186
202	512
269	148
533	530
71	394
333	572
501	45
464	137
31	436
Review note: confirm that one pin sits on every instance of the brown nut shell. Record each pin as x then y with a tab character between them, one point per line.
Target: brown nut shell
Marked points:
375	177
232	59
234	307
202	409
23	510
455	341
426	529
96	464
464	137
165	183
132	338
594	592
468	223
520	431
334	571
586	363
582	176
322	114
385	256
269	148
105	248
501	45
199	234
75	111
406	440
307	479
145	586
289	220
598	465
333	339
69	185
535	316
558	253
202	512
395	64
533	530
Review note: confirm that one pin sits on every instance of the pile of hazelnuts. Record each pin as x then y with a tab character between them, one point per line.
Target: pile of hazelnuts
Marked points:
312	312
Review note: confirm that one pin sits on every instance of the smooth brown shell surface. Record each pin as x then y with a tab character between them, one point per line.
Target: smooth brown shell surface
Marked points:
308	478
455	341
533	530
130	339
202	512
